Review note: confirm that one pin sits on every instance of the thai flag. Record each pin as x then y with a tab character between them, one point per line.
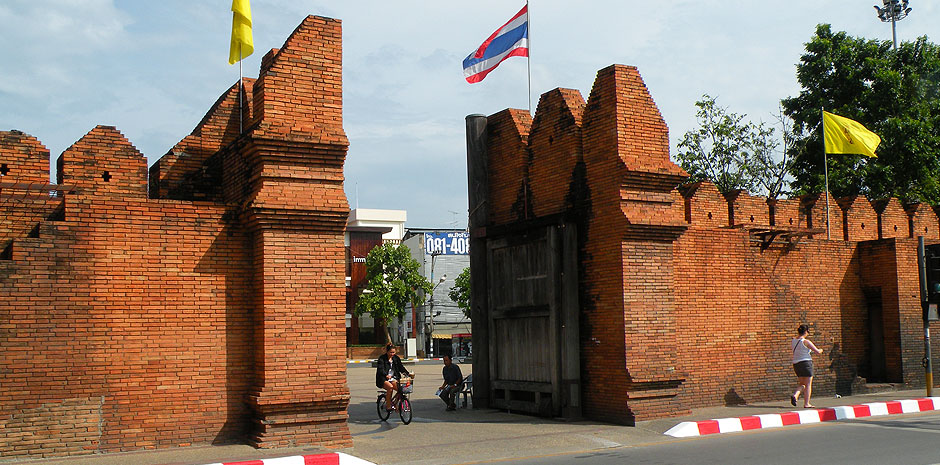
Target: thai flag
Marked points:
508	41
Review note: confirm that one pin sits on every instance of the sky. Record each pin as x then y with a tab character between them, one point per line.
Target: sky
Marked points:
153	69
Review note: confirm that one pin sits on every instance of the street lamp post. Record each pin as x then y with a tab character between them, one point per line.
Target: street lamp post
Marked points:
893	11
432	315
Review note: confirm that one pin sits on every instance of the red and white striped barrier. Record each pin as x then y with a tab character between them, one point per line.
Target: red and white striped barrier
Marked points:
802	417
336	458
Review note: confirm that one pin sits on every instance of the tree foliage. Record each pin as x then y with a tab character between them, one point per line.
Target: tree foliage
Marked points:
892	93
460	292
733	153
392	282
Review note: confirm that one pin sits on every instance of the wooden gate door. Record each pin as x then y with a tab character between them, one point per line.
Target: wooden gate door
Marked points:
534	361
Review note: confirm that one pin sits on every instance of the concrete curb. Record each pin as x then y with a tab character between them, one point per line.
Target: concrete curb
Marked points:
802	417
336	458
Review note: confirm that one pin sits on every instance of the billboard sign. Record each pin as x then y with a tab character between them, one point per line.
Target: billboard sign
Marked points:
447	243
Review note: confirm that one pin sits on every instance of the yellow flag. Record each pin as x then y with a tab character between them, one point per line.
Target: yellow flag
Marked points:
844	135
242	44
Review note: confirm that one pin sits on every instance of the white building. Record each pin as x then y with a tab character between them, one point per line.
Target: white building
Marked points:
370	217
362	234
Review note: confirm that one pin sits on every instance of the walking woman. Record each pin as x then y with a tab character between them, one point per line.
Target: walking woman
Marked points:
803	366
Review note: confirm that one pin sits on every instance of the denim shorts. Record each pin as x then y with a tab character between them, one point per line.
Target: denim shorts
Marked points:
803	369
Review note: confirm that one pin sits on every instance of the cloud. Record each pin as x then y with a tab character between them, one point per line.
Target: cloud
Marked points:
154	68
63	28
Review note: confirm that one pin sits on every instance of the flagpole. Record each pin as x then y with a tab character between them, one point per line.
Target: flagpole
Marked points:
826	168
240	112
529	53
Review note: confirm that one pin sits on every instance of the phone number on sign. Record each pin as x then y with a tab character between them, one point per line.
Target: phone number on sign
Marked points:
451	244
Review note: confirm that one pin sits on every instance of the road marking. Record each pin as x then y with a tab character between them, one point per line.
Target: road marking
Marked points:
606	443
577	452
870	423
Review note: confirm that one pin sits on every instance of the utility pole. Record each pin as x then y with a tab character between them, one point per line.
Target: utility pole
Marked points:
429	333
928	261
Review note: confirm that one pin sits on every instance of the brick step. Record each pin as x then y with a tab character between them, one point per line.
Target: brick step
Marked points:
43	229
872	388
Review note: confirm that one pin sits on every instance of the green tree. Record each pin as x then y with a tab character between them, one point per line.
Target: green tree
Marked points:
731	152
460	292
893	93
771	165
392	281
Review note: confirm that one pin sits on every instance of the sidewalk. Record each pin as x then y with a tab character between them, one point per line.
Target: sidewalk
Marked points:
464	436
404	361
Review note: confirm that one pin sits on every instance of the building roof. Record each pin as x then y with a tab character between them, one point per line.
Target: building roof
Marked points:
409	232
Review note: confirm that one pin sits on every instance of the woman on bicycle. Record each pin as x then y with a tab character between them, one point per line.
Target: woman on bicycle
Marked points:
388	373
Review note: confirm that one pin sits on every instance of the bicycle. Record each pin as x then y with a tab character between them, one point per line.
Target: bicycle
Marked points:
400	402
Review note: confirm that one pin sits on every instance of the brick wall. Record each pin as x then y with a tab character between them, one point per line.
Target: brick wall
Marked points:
893	221
555	145
786	213
25	199
23	159
104	163
704	205
814	207
910	324
628	338
740	307
923	221
744	209
131	316
211	312
297	213
299	91
859	219
509	196
183	172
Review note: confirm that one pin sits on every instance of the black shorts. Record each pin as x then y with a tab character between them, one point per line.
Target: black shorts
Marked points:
803	369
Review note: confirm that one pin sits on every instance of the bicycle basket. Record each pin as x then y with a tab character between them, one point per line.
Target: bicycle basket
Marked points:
406	386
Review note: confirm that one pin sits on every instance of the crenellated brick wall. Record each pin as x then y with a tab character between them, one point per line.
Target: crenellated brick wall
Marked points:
923	221
859	219
184	171
209	312
744	209
689	297
814	207
787	213
509	193
104	163
24	190
705	205
893	221
23	159
555	147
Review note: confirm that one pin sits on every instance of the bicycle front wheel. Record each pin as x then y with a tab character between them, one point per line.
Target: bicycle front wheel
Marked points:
404	410
380	408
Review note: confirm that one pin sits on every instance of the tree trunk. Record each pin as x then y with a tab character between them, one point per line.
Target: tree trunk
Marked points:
388	337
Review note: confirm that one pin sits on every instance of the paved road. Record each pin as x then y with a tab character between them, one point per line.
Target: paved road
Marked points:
904	439
469	436
492	436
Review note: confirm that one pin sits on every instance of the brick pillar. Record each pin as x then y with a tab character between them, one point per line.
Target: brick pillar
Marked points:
629	353
296	211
